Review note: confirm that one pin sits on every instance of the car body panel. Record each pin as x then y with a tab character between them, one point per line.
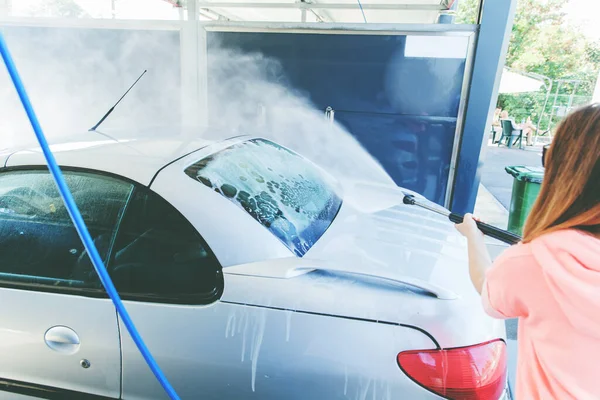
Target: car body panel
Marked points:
137	159
232	234
25	353
398	241
409	241
235	351
452	323
280	331
4	157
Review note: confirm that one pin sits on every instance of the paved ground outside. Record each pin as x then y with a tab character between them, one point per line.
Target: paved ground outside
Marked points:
494	177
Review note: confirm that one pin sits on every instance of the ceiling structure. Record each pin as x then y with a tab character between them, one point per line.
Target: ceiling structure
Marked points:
332	11
285	11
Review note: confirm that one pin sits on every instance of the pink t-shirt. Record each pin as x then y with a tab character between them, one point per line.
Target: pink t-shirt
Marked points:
552	285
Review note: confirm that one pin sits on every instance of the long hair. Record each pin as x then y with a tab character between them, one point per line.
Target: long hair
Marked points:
570	193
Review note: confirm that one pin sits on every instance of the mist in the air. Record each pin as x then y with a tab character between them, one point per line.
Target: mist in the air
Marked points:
250	93
75	75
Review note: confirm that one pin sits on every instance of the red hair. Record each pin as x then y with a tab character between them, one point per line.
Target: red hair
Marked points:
570	194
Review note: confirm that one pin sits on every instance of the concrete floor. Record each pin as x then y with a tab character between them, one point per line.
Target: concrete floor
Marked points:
493	175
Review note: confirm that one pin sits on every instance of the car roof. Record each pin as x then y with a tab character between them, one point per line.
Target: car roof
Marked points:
140	157
4	156
137	157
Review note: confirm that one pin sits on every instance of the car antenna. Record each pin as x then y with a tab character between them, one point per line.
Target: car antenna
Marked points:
93	128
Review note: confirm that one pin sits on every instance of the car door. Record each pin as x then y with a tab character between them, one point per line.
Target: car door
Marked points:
58	331
212	348
170	282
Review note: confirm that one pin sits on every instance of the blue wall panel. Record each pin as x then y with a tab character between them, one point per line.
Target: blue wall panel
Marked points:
402	109
492	44
415	151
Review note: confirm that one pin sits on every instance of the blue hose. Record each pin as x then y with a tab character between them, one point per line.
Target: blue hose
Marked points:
79	224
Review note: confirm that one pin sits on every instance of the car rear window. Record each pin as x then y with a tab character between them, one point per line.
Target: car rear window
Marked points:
281	190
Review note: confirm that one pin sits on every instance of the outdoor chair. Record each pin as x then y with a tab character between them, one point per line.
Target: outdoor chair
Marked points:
509	131
494	131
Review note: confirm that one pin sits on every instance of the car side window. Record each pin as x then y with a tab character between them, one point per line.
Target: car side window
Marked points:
159	256
39	244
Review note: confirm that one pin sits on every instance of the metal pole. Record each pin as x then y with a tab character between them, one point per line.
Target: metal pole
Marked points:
492	44
554	104
537	127
193	69
572	95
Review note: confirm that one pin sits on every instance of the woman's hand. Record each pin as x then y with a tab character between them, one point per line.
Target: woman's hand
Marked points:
468	228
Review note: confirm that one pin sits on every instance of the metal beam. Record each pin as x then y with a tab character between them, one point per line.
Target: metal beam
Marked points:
458	131
321	17
220	14
213	15
325	6
490	56
343	28
97	23
216	16
193	84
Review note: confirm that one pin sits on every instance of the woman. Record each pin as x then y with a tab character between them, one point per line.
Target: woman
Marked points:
528	128
551	281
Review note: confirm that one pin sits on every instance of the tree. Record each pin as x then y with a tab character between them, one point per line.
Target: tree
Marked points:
558	51
468	11
530	18
543	42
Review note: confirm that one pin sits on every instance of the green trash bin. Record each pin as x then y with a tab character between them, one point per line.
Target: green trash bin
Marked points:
526	187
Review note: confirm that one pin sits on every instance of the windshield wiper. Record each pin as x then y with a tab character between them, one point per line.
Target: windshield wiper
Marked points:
93	128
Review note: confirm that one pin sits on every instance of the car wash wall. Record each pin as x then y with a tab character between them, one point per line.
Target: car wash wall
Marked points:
397	93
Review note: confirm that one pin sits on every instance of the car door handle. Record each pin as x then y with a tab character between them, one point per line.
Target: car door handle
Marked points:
62	339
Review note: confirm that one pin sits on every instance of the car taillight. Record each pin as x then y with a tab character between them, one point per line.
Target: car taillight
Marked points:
467	373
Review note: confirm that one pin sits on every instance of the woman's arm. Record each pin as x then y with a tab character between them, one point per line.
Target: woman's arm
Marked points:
479	257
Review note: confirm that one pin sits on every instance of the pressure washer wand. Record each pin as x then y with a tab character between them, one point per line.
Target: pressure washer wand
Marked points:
489	230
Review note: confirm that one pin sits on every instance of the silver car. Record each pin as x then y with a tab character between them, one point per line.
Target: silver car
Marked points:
249	271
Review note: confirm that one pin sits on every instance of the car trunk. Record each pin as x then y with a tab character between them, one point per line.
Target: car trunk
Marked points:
357	270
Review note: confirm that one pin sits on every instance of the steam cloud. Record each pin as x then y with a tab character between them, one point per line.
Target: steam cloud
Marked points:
74	76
